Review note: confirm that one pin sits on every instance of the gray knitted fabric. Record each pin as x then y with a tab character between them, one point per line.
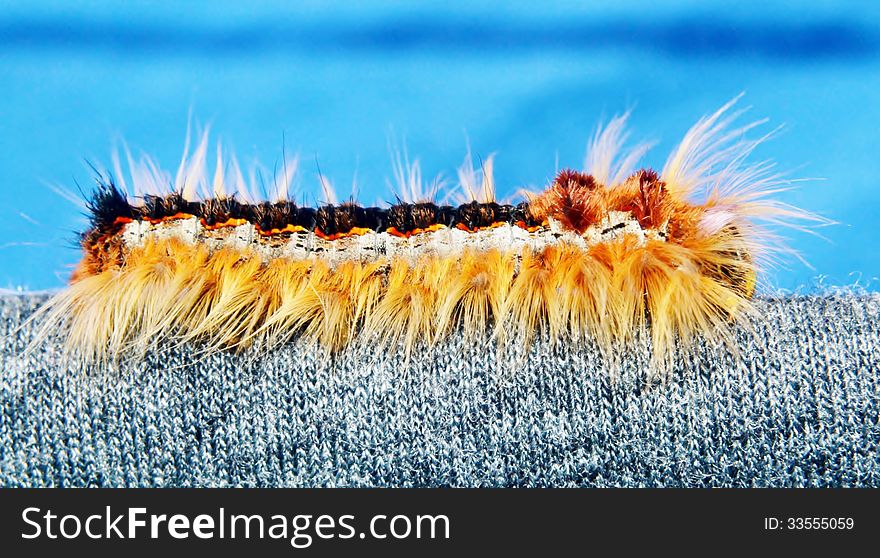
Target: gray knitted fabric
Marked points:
800	408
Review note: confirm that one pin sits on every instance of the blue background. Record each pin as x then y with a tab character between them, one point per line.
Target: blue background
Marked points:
528	81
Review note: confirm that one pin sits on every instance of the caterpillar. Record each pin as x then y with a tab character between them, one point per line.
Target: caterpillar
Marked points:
600	256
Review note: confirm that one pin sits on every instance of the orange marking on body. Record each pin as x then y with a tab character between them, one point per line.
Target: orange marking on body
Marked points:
357	231
287	229
227	223
524	226
174	217
433	228
495	225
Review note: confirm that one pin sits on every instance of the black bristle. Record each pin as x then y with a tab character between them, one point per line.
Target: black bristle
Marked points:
471	215
107	204
400	217
282	213
235	209
325	220
305	218
521	212
375	218
216	210
503	213
424	215
174	204
152	207
407	217
349	216
446	215
261	216
356	215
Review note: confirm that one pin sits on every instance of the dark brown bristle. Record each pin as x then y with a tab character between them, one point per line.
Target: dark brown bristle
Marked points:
339	219
572	179
572	200
268	216
475	215
423	215
221	210
407	217
575	200
650	206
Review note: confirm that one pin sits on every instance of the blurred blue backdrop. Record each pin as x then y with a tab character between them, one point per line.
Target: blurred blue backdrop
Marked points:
527	81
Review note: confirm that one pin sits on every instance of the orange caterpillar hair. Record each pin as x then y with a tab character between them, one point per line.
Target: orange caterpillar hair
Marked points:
600	255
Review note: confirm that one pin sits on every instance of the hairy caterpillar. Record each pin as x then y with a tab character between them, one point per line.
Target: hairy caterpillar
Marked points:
600	254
